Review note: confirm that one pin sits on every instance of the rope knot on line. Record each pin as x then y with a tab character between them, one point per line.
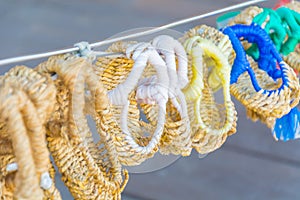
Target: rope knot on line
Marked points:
84	49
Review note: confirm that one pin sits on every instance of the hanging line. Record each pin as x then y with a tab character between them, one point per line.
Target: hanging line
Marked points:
109	41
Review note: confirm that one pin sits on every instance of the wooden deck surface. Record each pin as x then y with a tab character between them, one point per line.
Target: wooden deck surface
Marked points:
250	166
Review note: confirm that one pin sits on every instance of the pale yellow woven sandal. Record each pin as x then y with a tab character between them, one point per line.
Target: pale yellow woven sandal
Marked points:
207	48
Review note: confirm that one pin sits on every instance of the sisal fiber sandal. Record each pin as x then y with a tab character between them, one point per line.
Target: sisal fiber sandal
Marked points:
283	28
267	98
176	138
293	59
27	99
246	16
293	5
209	51
121	75
90	171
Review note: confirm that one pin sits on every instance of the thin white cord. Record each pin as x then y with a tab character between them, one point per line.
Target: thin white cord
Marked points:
148	32
177	23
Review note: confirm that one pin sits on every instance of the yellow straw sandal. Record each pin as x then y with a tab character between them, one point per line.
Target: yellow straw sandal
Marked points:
218	39
208	48
27	99
90	171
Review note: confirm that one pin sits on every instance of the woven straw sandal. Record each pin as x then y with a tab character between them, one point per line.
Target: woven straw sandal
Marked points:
208	47
221	41
90	171
27	99
246	16
284	128
283	27
268	19
176	138
293	59
271	22
288	127
279	24
121	77
290	20
267	98
7	160
293	5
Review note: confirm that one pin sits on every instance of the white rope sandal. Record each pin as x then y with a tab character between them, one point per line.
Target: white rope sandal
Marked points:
121	76
176	138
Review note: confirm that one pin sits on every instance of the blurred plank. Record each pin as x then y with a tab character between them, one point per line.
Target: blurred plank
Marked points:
221	175
257	137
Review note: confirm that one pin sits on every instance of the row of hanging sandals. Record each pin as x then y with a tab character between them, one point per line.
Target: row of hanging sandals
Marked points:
172	82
